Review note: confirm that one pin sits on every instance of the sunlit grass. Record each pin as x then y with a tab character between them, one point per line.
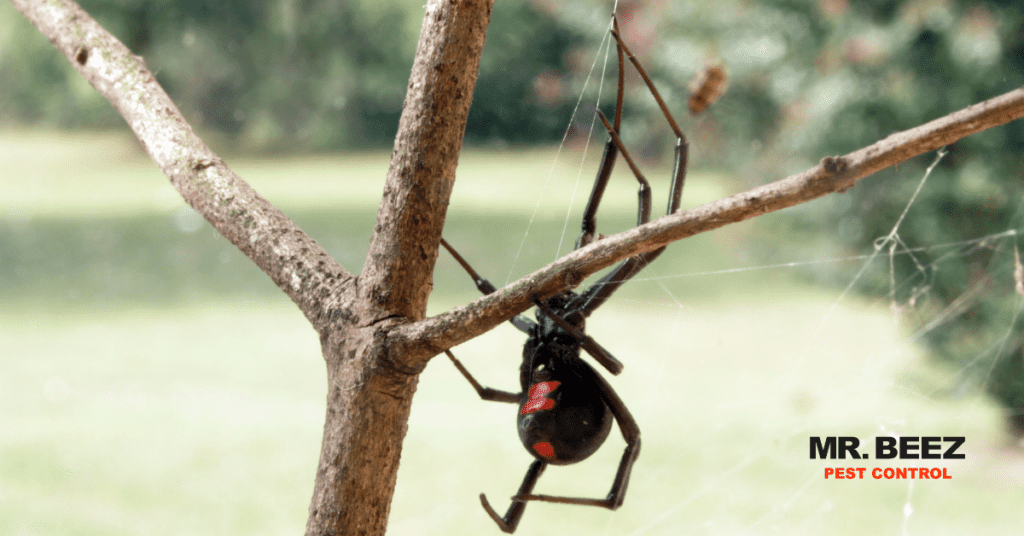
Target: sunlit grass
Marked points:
155	383
163	421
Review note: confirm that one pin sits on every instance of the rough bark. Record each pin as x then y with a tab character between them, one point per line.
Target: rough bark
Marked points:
369	392
372	329
400	263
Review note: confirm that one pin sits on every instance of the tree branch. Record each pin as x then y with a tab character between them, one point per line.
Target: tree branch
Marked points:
293	260
420	341
399	266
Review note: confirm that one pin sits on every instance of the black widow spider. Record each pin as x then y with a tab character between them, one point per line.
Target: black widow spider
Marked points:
565	407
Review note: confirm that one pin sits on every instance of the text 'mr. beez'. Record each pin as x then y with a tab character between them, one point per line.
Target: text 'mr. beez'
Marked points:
887	448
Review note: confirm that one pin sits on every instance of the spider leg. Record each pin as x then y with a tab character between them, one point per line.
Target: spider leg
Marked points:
515	511
600	291
630	432
604	171
519	321
486	393
644	193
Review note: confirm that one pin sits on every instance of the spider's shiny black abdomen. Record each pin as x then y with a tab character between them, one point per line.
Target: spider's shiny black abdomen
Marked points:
562	417
573	426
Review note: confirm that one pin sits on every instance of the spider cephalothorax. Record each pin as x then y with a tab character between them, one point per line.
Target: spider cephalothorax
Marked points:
566	408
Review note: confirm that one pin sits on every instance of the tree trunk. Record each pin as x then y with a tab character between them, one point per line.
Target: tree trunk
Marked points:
371	388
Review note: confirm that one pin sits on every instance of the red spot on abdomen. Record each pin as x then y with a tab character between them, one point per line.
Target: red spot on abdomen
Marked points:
537	399
544	450
537	405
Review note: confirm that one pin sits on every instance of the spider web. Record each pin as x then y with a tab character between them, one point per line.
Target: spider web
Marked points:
888	375
886	251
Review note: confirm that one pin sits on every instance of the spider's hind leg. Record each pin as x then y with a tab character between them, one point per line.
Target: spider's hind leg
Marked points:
630	433
598	352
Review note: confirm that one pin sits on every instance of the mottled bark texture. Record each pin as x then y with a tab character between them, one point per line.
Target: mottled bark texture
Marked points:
372	329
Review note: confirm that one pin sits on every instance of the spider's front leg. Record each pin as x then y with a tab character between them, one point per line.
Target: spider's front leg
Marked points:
588	232
600	291
486	393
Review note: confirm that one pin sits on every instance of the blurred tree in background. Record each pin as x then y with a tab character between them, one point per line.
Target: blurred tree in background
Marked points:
806	79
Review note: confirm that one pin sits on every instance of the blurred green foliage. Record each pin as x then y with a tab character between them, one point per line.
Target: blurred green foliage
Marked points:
926	60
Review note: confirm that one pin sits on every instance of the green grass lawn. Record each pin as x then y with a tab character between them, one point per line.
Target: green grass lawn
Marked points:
154	382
